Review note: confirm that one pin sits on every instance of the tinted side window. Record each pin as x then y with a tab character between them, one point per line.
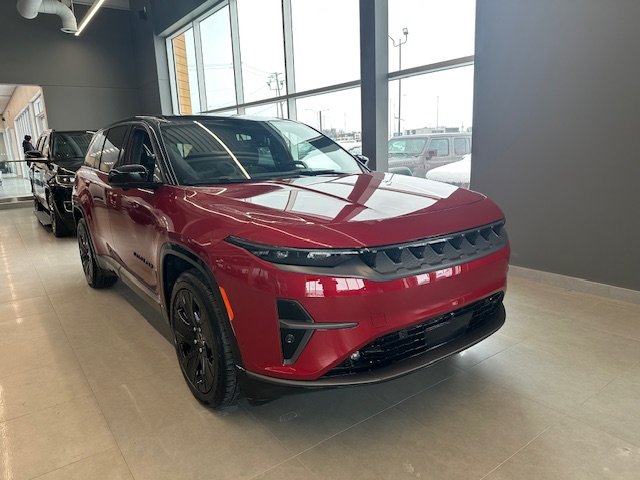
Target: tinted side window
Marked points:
461	146
440	145
141	153
95	150
45	145
112	147
40	143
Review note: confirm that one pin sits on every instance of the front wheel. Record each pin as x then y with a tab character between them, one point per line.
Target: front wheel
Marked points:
57	225
202	341
96	276
37	206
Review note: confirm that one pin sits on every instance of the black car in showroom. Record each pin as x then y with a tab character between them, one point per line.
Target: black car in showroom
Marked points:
53	165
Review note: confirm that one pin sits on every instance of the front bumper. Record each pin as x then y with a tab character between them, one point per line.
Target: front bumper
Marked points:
377	308
63	205
404	367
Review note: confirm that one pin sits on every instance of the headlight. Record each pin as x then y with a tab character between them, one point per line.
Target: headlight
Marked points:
295	256
65	180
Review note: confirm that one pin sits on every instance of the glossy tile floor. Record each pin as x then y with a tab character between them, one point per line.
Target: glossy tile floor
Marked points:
90	389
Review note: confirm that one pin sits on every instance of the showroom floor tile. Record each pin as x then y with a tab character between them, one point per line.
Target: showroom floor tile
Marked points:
90	388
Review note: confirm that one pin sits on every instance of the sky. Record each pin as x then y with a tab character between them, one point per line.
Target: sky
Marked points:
327	51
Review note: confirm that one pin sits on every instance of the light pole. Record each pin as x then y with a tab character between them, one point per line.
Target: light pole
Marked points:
399	44
319	112
276	84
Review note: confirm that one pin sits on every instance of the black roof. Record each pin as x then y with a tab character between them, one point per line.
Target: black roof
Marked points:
159	119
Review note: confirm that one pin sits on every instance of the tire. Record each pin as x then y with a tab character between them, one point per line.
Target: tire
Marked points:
96	276
203	341
57	225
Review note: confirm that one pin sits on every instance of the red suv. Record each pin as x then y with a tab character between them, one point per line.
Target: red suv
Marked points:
279	260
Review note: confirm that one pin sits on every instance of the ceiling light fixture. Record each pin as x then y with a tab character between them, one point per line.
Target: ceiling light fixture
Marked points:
90	14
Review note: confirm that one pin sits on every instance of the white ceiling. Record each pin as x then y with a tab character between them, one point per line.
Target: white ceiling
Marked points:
5	95
119	4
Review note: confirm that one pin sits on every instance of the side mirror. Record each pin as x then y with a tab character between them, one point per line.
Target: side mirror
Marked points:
432	153
130	176
35	154
362	159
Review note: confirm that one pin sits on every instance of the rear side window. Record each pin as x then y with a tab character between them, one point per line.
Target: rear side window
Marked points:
40	143
95	150
113	145
461	146
440	145
45	146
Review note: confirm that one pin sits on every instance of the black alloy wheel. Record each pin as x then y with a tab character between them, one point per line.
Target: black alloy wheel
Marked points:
57	226
202	341
37	206
96	277
196	344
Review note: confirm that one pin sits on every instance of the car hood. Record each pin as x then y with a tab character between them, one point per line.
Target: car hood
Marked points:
69	166
456	172
366	209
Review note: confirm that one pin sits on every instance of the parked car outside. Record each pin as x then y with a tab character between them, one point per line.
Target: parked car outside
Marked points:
423	152
355	149
53	164
279	261
456	173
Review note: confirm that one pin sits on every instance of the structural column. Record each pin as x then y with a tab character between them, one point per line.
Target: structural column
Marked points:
374	63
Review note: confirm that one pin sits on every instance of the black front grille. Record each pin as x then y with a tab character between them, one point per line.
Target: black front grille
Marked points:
437	252
418	339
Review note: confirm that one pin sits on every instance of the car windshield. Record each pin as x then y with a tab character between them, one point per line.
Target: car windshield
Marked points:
407	146
230	150
70	147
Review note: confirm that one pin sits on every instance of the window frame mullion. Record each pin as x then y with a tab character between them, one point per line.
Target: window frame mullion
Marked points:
236	54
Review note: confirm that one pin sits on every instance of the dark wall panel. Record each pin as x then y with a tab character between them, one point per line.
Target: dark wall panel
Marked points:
557	102
88	81
150	57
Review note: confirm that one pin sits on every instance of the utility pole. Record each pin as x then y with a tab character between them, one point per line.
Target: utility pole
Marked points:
319	112
437	111
399	44
275	84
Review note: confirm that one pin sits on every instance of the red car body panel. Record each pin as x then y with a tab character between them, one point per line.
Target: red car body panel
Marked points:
377	307
347	211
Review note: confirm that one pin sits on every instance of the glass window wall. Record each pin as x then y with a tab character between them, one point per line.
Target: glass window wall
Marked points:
253	51
217	60
261	49
436	31
186	79
336	114
326	42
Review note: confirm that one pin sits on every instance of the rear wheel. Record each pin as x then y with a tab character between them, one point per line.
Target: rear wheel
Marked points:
202	341
96	276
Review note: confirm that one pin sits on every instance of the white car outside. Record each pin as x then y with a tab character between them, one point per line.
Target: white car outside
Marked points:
456	173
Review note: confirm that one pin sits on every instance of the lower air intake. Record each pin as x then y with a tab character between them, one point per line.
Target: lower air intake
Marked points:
418	339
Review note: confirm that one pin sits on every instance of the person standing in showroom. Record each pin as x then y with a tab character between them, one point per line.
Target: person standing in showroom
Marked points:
27	146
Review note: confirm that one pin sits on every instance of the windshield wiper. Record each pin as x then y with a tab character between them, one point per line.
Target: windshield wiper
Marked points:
307	173
219	181
313	173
